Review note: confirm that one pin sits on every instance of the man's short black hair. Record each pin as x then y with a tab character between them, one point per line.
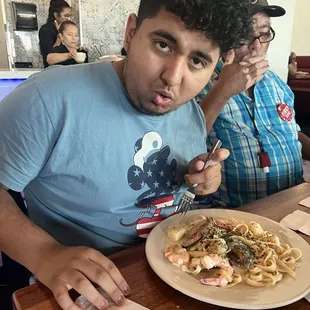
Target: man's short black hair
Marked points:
226	22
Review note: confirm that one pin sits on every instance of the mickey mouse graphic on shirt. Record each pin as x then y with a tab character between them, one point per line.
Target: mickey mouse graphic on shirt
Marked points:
153	171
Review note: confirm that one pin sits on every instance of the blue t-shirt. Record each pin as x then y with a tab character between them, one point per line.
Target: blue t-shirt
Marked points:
96	171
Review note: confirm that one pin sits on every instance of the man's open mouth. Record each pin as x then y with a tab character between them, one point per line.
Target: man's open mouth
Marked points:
162	99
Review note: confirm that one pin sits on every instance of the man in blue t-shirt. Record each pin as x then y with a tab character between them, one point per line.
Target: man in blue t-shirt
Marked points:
103	150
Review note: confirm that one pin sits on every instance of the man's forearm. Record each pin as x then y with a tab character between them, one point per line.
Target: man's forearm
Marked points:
213	103
305	142
19	237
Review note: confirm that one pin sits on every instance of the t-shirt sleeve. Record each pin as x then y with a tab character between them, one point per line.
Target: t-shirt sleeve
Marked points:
46	41
27	136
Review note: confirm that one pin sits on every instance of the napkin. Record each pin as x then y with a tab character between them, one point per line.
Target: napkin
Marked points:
305	202
298	220
84	304
308	297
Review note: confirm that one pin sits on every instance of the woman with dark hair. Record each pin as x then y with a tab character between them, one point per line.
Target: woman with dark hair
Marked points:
58	12
66	53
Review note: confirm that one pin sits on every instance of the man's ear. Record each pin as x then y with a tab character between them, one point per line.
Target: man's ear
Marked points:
131	29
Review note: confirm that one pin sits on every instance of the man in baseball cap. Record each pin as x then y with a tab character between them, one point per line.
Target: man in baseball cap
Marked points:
255	120
263	6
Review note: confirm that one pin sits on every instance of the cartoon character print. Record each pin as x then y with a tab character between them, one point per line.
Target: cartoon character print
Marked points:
152	171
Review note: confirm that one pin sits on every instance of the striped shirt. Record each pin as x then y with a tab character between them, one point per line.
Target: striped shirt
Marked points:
242	179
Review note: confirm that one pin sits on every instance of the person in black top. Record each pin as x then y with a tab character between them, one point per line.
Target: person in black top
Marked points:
66	52
59	11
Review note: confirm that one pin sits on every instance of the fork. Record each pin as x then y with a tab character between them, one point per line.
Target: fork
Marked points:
189	195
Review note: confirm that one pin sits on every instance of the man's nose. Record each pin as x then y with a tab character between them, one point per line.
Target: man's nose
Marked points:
174	70
256	45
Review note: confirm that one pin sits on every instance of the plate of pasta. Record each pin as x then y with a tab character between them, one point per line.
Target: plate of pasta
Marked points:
230	258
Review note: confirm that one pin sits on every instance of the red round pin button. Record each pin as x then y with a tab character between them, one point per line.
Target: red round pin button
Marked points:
285	112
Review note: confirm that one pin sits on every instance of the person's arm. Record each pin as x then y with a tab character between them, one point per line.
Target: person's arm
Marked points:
56	58
234	79
59	267
46	41
19	237
29	129
305	142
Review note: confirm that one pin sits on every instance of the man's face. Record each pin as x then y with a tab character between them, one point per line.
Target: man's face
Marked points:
261	26
167	65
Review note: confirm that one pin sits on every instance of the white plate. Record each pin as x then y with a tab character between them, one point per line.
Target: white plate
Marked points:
241	296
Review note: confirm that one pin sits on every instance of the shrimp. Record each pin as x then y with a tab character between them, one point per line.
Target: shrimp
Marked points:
214	260
222	280
177	255
226	224
209	262
223	276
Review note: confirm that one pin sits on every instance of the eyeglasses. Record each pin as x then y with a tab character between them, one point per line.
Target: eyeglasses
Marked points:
263	38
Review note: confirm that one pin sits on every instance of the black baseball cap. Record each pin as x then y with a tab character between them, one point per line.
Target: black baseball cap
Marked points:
263	6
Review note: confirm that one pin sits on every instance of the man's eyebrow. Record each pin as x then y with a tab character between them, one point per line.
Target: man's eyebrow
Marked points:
166	35
204	55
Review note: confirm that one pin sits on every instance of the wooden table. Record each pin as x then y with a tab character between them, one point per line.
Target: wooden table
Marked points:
150	291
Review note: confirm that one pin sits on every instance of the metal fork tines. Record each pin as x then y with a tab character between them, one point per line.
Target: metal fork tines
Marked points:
186	200
189	195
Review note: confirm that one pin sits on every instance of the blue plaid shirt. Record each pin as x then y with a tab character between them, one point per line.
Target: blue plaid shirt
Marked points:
242	179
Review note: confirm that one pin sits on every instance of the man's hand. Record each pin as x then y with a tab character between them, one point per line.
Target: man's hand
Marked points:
63	268
238	77
209	179
233	79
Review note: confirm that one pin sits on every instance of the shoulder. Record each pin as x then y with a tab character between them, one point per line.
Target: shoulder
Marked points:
271	79
25	105
44	29
47	29
74	81
270	75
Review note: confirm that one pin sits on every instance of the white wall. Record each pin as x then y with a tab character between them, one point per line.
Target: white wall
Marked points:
280	47
300	40
4	61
